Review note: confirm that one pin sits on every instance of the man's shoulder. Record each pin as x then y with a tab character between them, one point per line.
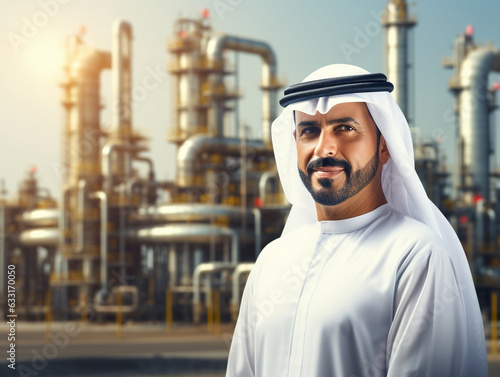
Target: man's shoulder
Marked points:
298	237
399	225
408	239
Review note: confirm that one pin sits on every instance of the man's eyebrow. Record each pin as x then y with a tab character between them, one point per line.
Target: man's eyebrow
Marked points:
343	120
307	123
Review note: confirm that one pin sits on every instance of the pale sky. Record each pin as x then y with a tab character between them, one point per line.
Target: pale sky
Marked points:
304	35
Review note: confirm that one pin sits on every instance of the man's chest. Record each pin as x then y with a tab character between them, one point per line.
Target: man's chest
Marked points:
337	283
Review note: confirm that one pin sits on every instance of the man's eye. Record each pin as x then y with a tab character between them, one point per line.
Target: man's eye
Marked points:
345	127
309	131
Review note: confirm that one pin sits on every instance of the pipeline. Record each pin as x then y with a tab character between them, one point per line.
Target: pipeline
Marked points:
258	231
40	237
189	153
201	269
82	184
185	212
215	48
195	233
107	152
122	80
151	172
99	297
236	294
264	179
101	195
41	217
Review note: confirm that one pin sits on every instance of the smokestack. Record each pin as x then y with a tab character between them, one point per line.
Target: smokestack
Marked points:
122	79
397	23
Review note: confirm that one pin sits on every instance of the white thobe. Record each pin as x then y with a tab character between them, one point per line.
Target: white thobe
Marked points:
373	295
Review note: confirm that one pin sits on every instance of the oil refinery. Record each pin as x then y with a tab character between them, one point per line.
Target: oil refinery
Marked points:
110	238
116	241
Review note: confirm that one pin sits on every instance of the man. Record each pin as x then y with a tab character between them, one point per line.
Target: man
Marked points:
368	278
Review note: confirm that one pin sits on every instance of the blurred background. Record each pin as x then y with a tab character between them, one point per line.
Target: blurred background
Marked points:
138	183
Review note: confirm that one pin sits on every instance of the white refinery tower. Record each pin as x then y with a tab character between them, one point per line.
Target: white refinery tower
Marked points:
397	23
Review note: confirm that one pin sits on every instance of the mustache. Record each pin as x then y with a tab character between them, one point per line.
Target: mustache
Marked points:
328	161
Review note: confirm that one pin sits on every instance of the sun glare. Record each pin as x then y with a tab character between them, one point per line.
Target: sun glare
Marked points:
43	57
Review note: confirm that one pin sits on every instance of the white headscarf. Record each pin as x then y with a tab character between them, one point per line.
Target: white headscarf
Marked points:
400	182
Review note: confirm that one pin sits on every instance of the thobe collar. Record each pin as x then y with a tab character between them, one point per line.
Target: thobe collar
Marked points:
354	223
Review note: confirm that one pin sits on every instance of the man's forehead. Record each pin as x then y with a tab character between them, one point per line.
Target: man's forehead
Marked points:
340	110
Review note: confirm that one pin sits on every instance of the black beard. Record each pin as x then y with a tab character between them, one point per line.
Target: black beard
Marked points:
354	181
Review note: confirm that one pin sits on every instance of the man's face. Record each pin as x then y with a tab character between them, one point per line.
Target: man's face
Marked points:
337	152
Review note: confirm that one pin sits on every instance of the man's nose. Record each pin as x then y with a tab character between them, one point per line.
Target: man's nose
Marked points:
327	144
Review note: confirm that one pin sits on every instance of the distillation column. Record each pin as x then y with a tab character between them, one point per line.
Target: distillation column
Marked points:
190	75
471	67
92	172
397	24
76	272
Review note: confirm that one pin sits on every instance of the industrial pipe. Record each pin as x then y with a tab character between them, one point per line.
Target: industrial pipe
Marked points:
151	173
101	195
41	217
191	150
60	267
186	212
122	79
192	233
201	269
107	152
264	178
132	183
235	299
82	184
40	237
215	48
122	105
493	227
118	308
257	225
150	192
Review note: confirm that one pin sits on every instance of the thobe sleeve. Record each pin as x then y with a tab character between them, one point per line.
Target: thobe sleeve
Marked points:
241	354
428	334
